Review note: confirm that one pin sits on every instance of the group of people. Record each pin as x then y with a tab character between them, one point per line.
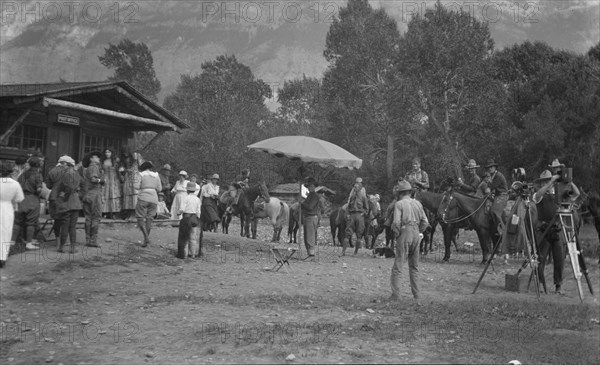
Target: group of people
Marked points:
408	220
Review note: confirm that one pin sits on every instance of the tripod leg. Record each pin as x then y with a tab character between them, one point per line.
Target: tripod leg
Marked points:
583	266
487	264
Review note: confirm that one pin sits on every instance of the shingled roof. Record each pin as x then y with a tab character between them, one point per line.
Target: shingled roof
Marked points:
115	95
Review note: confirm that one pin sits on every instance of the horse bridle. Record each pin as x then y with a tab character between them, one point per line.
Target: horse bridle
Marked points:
452	221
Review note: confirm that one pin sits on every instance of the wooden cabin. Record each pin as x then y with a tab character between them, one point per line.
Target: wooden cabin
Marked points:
74	118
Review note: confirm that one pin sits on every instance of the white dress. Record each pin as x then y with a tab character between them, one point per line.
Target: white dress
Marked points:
10	194
180	190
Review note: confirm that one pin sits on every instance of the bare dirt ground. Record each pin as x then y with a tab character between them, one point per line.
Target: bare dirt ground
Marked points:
125	304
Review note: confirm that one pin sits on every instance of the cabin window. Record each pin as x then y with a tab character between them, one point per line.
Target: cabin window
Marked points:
28	137
100	143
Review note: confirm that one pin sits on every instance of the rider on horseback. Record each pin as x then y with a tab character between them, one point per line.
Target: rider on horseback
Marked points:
472	181
417	177
499	190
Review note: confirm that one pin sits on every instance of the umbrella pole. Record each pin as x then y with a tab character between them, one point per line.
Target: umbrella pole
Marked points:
300	223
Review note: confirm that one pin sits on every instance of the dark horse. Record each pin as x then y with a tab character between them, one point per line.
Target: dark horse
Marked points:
592	205
457	207
373	225
432	202
245	206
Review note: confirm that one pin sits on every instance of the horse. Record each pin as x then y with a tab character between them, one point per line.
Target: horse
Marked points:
276	210
294	222
592	205
457	207
245	206
431	202
337	224
225	215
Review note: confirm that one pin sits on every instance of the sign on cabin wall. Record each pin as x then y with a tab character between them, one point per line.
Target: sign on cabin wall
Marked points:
67	119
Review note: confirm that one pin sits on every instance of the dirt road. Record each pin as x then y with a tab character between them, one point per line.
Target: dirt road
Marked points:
129	305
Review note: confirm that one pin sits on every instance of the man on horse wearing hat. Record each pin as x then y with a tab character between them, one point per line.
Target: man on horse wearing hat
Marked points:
417	178
472	181
499	190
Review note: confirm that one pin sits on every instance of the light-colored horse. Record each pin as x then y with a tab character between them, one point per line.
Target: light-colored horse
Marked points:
278	213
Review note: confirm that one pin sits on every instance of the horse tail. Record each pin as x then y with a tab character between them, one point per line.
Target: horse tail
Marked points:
284	214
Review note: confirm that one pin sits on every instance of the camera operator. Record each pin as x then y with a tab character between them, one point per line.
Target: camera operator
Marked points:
566	191
547	202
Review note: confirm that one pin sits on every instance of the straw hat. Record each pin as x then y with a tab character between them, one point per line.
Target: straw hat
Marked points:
359	180
546	175
472	164
556	163
67	159
214	177
182	172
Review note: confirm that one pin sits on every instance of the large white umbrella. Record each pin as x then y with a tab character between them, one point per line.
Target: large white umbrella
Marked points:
308	149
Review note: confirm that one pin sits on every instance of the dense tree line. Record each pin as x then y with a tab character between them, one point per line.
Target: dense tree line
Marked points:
440	91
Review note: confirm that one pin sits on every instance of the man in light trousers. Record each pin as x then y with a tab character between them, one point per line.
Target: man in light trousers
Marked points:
409	223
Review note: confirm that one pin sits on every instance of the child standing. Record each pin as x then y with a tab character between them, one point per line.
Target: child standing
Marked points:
187	242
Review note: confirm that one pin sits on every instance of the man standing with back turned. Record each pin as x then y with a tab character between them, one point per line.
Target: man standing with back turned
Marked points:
409	222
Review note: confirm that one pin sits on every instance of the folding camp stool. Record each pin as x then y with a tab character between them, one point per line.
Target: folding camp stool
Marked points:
282	255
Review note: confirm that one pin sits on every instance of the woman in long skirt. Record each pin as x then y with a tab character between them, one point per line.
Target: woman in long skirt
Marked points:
11	193
180	191
111	191
131	178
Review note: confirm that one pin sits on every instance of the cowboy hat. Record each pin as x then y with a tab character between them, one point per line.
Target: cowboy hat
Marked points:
359	180
546	175
491	163
167	167
191	186
310	181
402	186
556	163
472	164
214	177
182	172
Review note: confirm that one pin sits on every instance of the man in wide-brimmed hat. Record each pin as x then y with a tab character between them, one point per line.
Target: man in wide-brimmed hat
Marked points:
499	190
357	207
210	195
472	180
92	200
310	216
409	223
566	190
547	206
